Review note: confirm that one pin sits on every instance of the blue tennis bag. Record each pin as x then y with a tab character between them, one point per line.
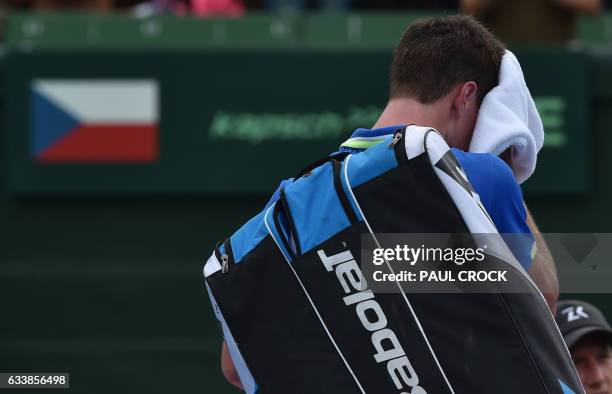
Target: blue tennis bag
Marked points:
299	316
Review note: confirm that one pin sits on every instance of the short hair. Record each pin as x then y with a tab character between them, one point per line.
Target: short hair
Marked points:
435	54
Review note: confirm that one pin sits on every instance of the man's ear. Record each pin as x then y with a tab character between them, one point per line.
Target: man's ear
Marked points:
465	97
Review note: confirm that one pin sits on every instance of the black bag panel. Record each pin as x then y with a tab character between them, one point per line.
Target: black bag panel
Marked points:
288	351
478	353
275	327
411	191
474	335
352	337
459	326
543	339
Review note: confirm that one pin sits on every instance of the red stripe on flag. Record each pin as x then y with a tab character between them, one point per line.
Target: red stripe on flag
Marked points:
105	143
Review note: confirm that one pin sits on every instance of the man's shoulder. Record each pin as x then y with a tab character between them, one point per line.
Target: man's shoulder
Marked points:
499	192
486	168
494	182
492	162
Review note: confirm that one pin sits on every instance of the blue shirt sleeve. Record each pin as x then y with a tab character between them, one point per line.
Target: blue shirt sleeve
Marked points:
509	211
501	196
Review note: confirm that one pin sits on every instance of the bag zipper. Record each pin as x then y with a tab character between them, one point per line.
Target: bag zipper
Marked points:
224	258
224	263
396	138
399	149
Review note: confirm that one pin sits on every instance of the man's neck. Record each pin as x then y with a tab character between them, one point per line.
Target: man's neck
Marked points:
410	111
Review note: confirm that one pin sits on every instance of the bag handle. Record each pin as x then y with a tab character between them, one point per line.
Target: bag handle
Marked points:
284	207
336	160
337	156
278	208
344	199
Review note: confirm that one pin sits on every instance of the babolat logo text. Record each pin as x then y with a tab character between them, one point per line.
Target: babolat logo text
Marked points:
387	348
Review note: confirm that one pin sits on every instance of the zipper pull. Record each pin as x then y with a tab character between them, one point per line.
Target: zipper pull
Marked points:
396	138
224	263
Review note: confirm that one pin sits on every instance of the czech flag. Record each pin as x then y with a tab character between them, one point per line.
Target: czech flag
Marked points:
95	121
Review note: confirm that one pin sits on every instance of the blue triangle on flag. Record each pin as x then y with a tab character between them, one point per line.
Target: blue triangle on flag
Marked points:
565	388
49	123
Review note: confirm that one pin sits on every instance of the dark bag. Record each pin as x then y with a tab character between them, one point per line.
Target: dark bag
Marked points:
299	316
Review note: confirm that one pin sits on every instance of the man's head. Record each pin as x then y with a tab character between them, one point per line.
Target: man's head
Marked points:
588	336
448	65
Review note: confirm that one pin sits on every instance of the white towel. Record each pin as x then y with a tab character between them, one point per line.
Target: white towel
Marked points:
508	117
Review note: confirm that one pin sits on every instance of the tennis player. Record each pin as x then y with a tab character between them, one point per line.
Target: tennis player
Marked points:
442	69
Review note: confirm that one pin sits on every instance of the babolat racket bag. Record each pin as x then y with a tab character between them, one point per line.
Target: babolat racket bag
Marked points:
299	315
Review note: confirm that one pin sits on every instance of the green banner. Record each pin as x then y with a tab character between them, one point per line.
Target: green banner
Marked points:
232	122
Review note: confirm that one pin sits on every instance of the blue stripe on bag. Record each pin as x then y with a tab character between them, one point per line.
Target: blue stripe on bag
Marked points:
316	208
371	163
248	237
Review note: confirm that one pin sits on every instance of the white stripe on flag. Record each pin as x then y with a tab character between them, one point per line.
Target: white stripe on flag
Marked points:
103	100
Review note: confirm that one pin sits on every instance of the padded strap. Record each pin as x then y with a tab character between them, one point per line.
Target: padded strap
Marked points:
344	199
284	207
278	208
